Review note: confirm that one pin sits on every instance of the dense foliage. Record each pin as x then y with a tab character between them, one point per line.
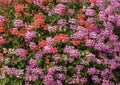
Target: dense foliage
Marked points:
59	42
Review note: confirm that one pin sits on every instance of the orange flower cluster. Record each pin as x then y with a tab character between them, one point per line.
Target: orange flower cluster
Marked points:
2	41
61	38
42	43
39	20
14	31
1	28
81	19
34	48
45	27
54	50
21	32
75	42
29	1
4	3
1	55
92	1
19	7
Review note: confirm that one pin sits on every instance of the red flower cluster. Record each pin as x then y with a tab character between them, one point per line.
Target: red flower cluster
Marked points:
61	38
39	20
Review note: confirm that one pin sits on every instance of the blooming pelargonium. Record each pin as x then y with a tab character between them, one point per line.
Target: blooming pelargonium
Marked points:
21	52
18	23
59	42
60	9
2	40
71	51
30	35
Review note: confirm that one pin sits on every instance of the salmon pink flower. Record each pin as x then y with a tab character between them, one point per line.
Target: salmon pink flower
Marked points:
2	40
14	31
42	43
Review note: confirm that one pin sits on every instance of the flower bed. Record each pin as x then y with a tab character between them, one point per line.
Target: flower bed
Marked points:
59	42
